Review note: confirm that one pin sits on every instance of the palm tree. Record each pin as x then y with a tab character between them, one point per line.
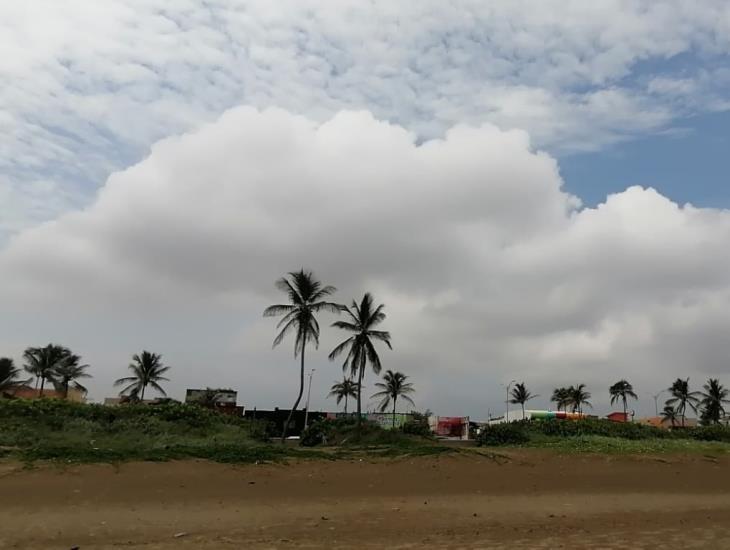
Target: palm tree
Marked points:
147	370
669	414
622	390
8	374
42	362
395	386
521	395
67	373
681	396
714	398
359	346
346	388
578	396
306	297
561	397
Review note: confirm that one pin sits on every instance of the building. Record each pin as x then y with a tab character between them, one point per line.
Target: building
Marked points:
618	416
278	417
23	391
221	400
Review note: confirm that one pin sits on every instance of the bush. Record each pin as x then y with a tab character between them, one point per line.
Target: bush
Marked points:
513	433
418	425
595	426
716	432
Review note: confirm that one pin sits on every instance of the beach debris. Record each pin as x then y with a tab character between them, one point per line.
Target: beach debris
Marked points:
180	534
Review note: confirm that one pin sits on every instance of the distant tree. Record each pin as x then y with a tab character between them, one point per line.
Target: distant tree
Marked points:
521	395
621	391
669	414
67	373
682	397
359	347
343	390
306	298
9	374
43	362
561	397
147	370
579	396
714	399
394	386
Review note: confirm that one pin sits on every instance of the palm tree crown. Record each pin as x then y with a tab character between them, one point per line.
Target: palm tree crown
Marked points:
43	362
343	390
521	395
578	396
669	415
147	370
359	347
395	386
67	373
681	397
714	399
306	298
561	397
621	391
8	374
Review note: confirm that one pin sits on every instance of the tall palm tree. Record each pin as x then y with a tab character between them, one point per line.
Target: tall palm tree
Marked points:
579	396
521	395
343	390
395	386
9	374
714	399
681	397
622	390
561	397
147	370
359	347
67	373
306	298
42	362
669	414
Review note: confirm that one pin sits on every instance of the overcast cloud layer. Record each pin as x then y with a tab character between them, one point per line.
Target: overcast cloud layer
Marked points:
89	86
488	269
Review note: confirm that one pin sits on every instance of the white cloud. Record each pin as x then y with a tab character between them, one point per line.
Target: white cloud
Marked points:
489	270
92	85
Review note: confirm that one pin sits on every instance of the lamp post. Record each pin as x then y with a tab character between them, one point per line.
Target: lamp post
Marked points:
506	402
309	392
656	402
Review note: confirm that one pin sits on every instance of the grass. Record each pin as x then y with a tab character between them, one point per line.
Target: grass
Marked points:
615	445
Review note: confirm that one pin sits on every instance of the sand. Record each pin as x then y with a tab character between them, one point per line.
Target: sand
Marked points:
520	500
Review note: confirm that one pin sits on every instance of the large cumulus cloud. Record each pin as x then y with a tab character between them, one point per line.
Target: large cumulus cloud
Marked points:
490	271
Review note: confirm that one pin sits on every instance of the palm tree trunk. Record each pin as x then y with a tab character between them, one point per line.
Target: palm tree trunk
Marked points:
43	383
394	400
65	390
299	397
523	410
345	404
359	400
141	397
625	418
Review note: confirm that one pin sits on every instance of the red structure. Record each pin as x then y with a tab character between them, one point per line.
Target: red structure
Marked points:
618	417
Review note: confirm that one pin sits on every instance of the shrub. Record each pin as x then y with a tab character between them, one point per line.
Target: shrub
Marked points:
715	432
513	433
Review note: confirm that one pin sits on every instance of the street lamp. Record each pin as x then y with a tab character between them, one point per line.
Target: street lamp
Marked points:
309	392
506	415
656	402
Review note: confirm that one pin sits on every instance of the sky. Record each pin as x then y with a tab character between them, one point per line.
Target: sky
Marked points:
536	191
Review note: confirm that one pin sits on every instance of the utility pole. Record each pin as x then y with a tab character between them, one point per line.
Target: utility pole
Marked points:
656	402
309	392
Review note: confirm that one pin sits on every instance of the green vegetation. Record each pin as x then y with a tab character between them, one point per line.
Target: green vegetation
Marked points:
76	432
593	435
394	385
